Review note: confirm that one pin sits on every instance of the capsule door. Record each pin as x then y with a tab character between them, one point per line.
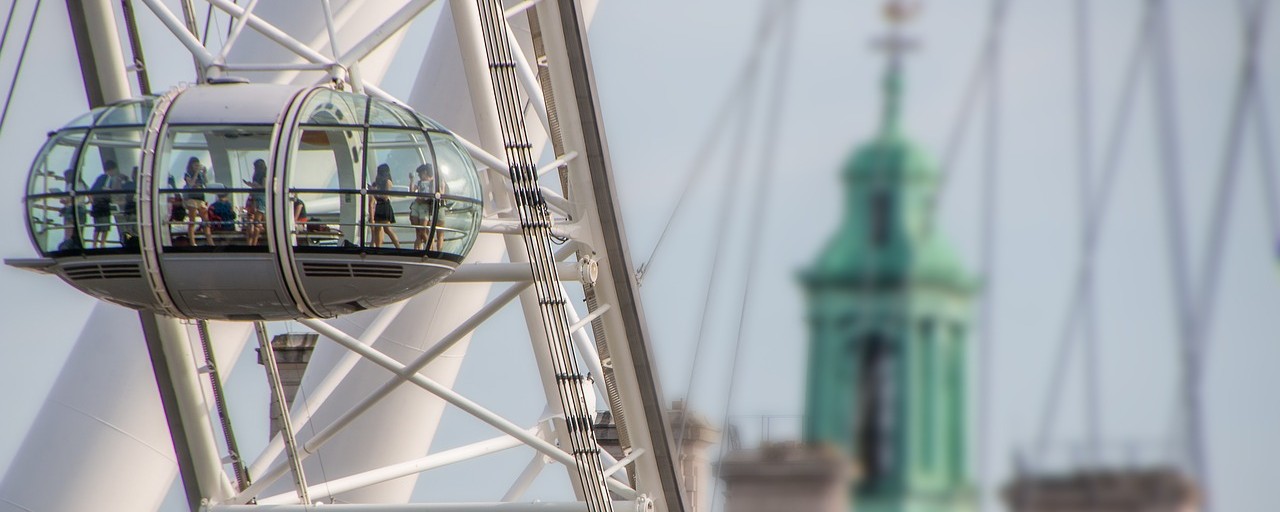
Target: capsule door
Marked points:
213	216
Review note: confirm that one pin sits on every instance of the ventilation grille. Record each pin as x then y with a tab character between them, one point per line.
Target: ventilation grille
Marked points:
327	269
103	271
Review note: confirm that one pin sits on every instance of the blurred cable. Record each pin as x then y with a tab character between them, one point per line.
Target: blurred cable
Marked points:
989	217
22	57
1169	143
738	95
1084	141
765	171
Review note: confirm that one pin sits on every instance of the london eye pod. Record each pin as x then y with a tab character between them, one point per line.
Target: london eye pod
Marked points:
252	202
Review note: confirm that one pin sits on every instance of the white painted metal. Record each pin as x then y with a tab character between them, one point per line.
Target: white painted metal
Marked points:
301	411
105	41
456	399
639	505
368	400
194	409
394	471
644	417
170	20
101	435
475	67
526	478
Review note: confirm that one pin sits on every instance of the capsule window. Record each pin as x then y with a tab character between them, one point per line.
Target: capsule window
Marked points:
398	197
327	107
325	178
215	188
458	182
109	164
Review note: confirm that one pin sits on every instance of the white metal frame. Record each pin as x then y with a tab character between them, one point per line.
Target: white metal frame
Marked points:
579	219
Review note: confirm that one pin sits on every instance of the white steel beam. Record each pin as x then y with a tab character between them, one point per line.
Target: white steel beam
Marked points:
505	272
591	182
475	65
403	469
555	164
639	505
528	80
270	32
457	400
179	30
197	427
526	478
379	36
236	28
519	8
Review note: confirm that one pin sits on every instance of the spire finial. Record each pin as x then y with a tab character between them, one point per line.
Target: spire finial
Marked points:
895	44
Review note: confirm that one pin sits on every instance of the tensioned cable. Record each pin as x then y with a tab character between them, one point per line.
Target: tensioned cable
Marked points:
747	92
1215	246
208	17
1267	167
755	246
8	21
1175	225
1084	134
989	212
751	68
968	103
1097	215
22	57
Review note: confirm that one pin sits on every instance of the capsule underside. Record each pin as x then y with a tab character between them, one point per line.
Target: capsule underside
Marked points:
253	202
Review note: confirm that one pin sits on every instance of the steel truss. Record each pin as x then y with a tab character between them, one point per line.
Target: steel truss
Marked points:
558	90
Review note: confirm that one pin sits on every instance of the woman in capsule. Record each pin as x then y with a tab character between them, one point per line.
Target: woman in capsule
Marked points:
423	206
196	177
383	215
255	215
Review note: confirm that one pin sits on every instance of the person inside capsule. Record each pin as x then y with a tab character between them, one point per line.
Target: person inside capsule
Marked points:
255	217
100	204
423	206
196	177
384	216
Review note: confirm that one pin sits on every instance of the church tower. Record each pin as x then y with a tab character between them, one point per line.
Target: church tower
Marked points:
888	312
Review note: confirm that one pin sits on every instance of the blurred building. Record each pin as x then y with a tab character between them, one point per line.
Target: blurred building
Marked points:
888	312
1153	489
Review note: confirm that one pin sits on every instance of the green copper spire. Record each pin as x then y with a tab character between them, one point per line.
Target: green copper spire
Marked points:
891	120
888	308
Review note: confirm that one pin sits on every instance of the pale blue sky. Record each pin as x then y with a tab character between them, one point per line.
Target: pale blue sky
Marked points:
662	67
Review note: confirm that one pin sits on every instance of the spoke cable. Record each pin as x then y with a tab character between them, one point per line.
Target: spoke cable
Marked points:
989	215
765	171
744	79
1095	220
22	57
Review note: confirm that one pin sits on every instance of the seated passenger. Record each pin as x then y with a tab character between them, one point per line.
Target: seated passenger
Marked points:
222	215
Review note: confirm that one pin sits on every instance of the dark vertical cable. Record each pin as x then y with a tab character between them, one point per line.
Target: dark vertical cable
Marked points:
22	57
990	213
1175	226
757	245
135	47
1084	134
1101	202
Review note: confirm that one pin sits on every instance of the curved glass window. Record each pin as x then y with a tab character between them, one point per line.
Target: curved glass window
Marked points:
213	185
325	185
387	114
56	216
329	107
381	187
109	164
81	194
460	185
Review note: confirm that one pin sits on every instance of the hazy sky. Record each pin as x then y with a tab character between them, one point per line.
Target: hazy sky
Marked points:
663	67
